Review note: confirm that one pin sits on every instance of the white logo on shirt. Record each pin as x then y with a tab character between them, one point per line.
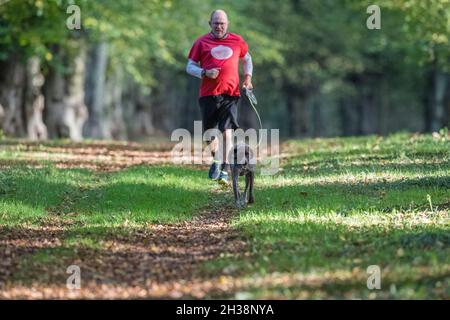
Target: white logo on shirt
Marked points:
221	52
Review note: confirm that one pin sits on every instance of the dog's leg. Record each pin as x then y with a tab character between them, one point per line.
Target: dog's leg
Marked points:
251	198
247	185
235	176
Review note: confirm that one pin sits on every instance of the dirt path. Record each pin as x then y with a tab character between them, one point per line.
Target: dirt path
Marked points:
96	156
155	262
158	261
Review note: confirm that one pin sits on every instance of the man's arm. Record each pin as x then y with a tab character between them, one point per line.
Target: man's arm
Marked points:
193	69
247	64
248	71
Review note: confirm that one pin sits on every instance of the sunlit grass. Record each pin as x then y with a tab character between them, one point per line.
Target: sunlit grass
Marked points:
340	205
137	195
336	207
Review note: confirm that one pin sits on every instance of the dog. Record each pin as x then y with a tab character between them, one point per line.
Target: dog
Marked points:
243	164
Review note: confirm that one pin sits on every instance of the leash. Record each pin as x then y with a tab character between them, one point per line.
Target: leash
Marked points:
253	102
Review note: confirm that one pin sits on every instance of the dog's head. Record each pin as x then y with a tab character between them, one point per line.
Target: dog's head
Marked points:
242	154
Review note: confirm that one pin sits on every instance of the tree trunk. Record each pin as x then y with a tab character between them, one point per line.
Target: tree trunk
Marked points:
95	84
76	112
437	107
65	111
384	110
298	115
435	100
447	100
34	101
114	104
12	82
349	106
191	108
54	104
166	102
2	117
136	110
349	116
369	107
317	117
143	119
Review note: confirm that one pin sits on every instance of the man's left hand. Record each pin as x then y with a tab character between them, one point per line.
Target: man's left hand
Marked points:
247	82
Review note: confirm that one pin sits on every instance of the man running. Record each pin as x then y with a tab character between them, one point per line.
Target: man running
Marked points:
214	58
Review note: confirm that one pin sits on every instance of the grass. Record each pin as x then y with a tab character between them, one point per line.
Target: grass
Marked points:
88	209
138	195
336	207
341	205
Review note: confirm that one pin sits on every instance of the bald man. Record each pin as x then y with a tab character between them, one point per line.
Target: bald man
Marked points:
214	58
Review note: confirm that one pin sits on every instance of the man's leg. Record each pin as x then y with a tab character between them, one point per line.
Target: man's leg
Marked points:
227	123
214	147
208	107
220	149
227	147
221	110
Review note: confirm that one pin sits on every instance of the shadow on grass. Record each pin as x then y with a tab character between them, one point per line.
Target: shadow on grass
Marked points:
412	256
27	145
332	228
126	257
328	168
343	198
108	236
332	164
327	251
150	194
309	259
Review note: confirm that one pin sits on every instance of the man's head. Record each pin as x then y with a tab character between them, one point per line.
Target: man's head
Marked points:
218	23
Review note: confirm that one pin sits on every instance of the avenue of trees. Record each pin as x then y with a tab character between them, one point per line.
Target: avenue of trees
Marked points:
318	69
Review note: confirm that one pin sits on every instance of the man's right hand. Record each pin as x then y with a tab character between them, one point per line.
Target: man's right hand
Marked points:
212	73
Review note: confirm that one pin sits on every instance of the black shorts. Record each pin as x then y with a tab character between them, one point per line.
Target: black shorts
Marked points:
220	111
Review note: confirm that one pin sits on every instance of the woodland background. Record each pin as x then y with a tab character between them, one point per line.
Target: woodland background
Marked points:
319	71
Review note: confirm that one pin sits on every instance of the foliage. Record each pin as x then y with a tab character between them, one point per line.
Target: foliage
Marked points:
310	48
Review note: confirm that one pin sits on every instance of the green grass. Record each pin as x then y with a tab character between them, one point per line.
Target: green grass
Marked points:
26	195
91	208
138	195
341	205
144	195
336	207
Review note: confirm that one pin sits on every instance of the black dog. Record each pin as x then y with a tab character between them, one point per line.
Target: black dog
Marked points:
243	164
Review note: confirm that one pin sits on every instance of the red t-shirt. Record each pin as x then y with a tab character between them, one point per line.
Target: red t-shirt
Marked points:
219	53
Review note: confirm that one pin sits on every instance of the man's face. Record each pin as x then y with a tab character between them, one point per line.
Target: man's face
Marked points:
219	25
